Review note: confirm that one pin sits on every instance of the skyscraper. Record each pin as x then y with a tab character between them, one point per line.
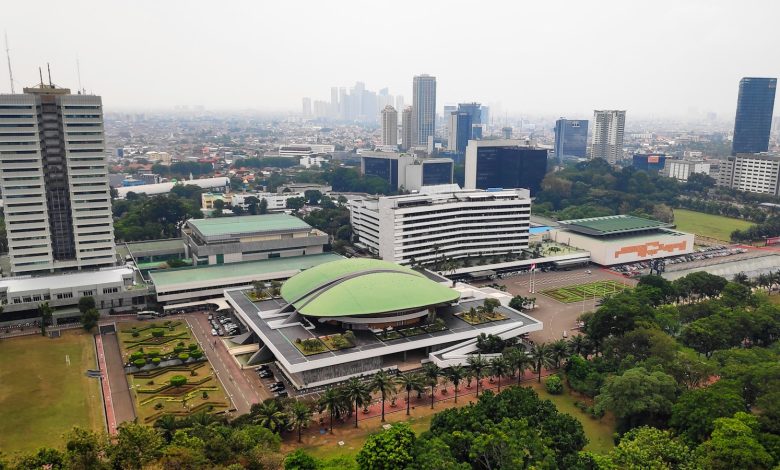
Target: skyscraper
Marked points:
306	107
504	164
389	126
334	102
608	128
571	138
55	180
406	128
424	106
754	115
460	131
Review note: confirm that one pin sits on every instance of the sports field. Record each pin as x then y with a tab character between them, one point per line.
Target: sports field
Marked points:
708	225
580	292
44	391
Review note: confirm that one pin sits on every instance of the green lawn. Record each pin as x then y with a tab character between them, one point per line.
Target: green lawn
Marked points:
41	396
580	292
707	225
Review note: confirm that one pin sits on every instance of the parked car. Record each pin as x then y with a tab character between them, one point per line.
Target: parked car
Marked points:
280	394
213	332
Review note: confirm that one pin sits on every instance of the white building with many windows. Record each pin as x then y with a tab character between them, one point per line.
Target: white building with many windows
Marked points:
752	172
443	221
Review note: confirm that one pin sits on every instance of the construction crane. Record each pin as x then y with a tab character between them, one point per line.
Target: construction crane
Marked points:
10	71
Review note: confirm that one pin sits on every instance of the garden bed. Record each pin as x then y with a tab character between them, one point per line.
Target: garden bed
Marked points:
478	319
388	335
580	292
339	341
310	346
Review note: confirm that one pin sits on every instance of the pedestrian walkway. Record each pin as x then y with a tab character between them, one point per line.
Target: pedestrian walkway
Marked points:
108	402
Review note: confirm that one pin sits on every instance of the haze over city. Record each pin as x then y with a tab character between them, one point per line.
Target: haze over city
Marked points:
668	59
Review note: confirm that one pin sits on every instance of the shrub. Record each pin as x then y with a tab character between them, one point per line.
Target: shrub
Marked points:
196	354
178	349
192	346
156	361
204	395
554	385
183	356
139	362
135	334
153	353
154	325
180	344
136	355
158	333
178	380
158	406
297	340
150	382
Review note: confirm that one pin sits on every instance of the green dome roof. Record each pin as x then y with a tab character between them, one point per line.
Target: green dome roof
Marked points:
362	286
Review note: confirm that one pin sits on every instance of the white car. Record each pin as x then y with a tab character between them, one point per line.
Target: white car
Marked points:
213	332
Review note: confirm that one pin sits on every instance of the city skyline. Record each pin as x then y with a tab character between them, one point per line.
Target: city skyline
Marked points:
191	60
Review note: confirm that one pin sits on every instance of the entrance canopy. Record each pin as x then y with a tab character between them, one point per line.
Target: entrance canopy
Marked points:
220	302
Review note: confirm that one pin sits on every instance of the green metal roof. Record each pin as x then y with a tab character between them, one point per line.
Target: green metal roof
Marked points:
612	224
138	248
247	224
362	286
218	272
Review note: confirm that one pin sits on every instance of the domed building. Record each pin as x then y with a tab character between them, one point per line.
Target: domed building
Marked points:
354	317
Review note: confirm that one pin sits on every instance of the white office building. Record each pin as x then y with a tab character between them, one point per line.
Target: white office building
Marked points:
443	221
608	129
682	169
54	180
755	173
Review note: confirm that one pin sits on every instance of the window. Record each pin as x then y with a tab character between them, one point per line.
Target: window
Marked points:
65	295
111	290
87	293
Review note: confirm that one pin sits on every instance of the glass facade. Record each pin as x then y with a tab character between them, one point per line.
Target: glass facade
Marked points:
652	163
385	168
571	138
463	132
754	115
511	167
437	173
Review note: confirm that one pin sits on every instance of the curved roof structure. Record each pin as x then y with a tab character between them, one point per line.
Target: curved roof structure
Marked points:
361	286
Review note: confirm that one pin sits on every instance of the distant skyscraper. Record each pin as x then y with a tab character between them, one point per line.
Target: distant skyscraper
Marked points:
754	115
389	126
485	111
306	102
504	164
608	129
460	131
334	102
424	105
506	132
406	128
571	138
54	182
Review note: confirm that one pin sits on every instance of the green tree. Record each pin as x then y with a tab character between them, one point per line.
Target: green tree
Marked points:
90	318
734	445
541	355
178	380
390	449
300	460
410	381
694	414
84	450
384	384
86	304
499	367
638	396
356	392
650	448
135	446
519	361
333	401
300	416
295	203
46	313
43	458
262	207
455	374
432	372
511	444
477	365
269	414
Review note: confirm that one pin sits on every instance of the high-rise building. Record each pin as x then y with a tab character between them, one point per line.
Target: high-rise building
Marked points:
55	180
389	126
334	102
424	109
399	103
608	129
506	132
754	115
571	138
751	172
306	107
406	128
460	131
504	164
404	171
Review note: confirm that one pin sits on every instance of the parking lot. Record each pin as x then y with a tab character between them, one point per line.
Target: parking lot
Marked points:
703	257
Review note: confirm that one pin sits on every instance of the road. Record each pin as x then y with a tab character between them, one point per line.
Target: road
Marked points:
242	385
121	399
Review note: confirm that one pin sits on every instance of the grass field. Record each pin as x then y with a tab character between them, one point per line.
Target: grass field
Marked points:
708	225
580	292
41	396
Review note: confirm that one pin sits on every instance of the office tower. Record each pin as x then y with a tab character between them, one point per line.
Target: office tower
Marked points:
343	105
389	126
608	128
405	171
504	164
334	102
506	132
460	131
406	128
399	103
306	111
485	112
424	106
754	115
476	118
571	138
55	181
476	131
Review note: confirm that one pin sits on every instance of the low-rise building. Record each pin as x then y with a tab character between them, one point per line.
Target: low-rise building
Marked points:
443	221
682	169
276	202
250	238
406	171
751	172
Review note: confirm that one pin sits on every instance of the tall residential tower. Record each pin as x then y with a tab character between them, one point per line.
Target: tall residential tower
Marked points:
406	128
389	126
608	128
424	109
754	115
54	180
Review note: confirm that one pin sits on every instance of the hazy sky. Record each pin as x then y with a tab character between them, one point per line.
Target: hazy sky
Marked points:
661	58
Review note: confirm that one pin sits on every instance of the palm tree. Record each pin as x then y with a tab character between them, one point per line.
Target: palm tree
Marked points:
542	358
270	415
382	383
332	401
358	393
432	372
577	344
559	350
300	416
477	366
519	362
167	425
499	367
455	374
410	382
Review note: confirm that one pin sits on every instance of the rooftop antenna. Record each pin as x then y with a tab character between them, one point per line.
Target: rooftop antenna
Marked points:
49	70
40	73
8	56
78	72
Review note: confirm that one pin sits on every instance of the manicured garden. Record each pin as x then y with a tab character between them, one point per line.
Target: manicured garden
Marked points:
161	338
580	292
708	225
44	391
